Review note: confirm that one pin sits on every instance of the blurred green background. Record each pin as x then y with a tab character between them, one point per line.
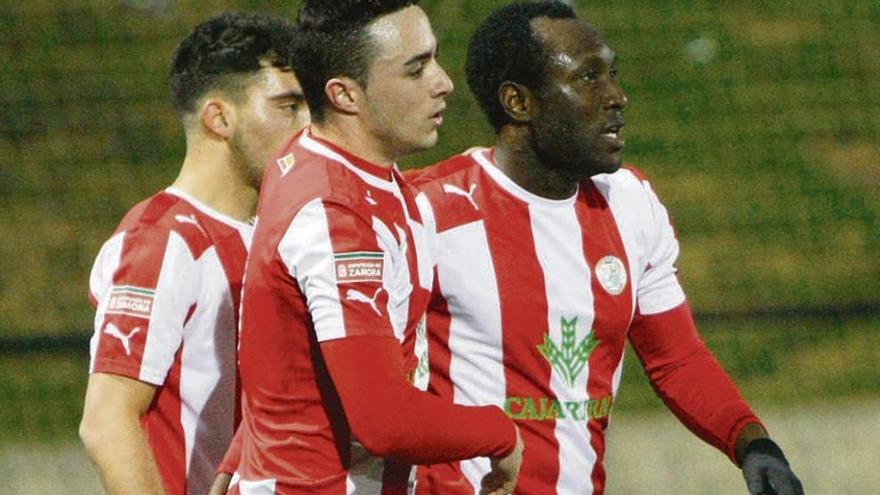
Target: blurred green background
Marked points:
758	123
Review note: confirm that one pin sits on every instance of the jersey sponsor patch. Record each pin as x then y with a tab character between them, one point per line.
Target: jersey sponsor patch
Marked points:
611	274
361	266
131	301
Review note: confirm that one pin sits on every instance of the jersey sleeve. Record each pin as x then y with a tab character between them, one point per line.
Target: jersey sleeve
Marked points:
345	267
143	284
659	289
688	378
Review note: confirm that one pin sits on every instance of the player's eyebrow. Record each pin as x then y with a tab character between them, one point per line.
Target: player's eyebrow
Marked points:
295	95
424	56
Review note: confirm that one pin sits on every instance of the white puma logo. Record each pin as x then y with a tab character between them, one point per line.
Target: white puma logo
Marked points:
112	331
190	219
356	295
449	188
370	199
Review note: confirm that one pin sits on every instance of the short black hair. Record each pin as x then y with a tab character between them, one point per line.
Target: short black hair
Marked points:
332	41
505	48
218	52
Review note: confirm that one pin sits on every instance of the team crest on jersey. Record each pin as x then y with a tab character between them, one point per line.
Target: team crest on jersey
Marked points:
568	359
131	301
285	163
361	266
611	273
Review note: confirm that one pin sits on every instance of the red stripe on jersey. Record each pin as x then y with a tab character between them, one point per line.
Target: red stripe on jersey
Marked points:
524	323
448	476
164	431
123	336
232	254
613	313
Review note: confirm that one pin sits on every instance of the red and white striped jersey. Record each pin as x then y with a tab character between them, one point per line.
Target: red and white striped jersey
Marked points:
532	301
167	287
337	253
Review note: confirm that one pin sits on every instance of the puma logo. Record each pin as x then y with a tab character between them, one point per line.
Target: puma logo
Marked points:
449	188
112	331
370	199
190	219
358	296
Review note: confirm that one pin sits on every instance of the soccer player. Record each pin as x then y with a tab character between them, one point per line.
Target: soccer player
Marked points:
162	401
332	336
549	255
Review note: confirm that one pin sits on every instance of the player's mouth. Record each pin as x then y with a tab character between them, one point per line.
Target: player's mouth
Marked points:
612	135
437	117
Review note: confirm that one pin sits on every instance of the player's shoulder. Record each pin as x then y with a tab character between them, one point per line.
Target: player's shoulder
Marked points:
628	181
152	221
455	170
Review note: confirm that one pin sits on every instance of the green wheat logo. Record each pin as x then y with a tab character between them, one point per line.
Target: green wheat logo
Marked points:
571	359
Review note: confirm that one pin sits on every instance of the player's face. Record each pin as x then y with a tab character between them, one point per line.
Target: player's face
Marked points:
579	111
406	86
273	110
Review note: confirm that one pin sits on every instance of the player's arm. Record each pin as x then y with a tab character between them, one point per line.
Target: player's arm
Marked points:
111	432
685	374
228	465
691	382
393	419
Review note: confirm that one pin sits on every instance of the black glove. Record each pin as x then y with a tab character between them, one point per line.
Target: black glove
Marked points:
766	470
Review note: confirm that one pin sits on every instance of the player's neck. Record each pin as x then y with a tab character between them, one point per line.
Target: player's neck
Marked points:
212	177
517	159
353	138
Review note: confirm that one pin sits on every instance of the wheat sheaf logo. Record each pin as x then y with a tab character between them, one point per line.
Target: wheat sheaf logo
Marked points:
568	359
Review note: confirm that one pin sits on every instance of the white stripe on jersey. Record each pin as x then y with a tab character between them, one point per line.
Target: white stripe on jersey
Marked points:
475	339
200	379
174	296
100	281
560	252
307	251
258	487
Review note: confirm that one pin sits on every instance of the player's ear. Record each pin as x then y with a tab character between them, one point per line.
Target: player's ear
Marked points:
345	94
517	101
218	117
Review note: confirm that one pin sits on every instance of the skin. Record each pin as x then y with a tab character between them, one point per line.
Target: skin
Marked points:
558	133
230	138
399	110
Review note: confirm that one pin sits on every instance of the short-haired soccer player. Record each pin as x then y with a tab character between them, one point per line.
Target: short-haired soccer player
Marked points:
162	402
332	337
549	255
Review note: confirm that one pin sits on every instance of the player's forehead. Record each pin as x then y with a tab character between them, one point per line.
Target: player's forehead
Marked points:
572	43
401	35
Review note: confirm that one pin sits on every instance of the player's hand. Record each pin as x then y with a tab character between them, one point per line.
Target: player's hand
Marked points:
767	471
220	484
501	480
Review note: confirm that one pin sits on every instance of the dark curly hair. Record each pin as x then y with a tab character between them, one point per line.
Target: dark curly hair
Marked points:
223	52
505	48
332	41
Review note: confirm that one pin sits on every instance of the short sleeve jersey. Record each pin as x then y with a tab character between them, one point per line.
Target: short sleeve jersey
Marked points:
337	254
531	307
166	287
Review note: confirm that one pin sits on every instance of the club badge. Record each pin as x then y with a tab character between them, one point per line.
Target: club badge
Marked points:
611	274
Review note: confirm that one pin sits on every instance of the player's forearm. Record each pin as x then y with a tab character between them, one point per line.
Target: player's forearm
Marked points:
123	457
689	379
393	419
